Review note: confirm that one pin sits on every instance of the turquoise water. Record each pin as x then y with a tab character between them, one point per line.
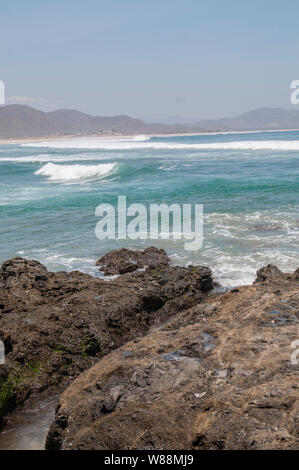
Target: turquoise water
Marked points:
248	184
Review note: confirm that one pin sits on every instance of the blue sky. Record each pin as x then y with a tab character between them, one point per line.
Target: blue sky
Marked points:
158	58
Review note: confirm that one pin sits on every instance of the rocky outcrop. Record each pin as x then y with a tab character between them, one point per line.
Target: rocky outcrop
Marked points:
218	375
125	261
56	325
269	273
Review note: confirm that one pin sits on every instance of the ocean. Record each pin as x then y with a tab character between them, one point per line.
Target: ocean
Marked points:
248	184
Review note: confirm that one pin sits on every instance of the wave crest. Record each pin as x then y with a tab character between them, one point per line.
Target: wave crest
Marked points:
76	173
143	142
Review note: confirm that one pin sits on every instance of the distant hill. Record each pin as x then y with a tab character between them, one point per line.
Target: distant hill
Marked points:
18	121
258	119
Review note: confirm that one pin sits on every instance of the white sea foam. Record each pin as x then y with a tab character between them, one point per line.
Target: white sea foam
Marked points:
142	142
76	173
48	157
141	138
92	143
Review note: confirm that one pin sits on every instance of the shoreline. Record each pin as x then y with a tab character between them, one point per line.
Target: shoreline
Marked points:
23	140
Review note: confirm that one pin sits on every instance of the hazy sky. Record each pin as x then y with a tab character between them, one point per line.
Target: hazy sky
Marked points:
157	58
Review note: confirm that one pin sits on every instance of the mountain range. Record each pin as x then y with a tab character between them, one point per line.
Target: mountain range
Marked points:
21	121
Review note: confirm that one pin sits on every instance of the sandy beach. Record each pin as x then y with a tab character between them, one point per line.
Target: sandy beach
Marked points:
120	136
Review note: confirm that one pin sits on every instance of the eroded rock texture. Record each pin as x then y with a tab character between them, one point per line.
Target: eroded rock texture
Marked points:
55	325
218	375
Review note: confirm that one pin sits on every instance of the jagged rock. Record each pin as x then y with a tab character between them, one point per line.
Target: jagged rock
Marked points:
296	274
58	324
215	376
124	260
269	273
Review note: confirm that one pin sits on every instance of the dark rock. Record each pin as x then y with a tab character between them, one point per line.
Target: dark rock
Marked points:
55	325
296	274
125	261
6	338
269	273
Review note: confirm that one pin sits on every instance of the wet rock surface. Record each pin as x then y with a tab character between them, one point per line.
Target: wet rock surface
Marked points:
217	375
124	260
56	325
27	428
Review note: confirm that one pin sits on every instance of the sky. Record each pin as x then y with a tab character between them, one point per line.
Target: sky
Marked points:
150	58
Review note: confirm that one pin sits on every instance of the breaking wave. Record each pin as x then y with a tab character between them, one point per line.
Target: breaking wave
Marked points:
77	173
141	142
